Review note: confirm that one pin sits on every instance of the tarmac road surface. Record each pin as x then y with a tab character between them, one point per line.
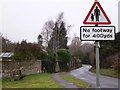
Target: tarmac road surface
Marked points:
84	74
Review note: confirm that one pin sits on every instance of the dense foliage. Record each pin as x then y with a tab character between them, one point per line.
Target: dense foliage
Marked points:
108	51
7	45
63	59
27	51
48	63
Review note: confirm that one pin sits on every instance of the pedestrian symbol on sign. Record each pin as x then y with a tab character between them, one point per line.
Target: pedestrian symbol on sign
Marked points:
92	17
97	15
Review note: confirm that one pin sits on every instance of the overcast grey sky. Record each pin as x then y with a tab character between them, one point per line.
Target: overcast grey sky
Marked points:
24	19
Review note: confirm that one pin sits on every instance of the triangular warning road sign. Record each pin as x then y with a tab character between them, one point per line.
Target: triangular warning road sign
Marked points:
97	15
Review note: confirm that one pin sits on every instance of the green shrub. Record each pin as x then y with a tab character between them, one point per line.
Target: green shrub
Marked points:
49	63
63	59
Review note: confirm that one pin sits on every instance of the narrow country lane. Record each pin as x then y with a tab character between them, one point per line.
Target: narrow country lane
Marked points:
84	74
62	81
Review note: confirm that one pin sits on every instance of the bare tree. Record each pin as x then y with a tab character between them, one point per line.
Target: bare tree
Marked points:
60	19
47	31
88	53
87	47
75	46
92	58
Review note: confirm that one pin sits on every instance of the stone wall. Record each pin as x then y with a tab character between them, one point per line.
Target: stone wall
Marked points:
29	67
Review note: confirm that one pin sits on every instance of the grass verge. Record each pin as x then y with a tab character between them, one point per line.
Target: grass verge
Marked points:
107	72
42	80
74	80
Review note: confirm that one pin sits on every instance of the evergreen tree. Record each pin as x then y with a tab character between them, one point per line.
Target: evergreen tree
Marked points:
62	36
59	36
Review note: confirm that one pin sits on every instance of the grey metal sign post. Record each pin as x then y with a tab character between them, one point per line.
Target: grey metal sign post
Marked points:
97	45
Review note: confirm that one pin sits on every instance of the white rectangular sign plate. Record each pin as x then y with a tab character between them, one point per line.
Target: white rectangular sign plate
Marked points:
93	33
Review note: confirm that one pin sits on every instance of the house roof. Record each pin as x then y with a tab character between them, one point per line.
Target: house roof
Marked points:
6	55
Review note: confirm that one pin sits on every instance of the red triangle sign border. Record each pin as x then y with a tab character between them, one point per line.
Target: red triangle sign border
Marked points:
97	3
